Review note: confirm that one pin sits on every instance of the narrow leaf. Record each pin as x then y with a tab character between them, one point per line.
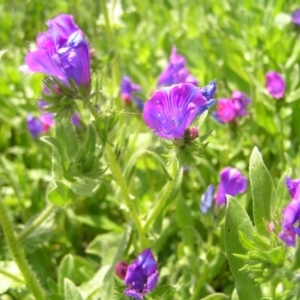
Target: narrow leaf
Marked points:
237	220
65	270
70	290
262	191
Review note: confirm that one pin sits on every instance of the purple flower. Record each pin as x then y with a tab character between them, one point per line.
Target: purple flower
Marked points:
296	17
275	84
207	198
294	188
232	183
176	71
75	119
127	92
171	110
290	223
141	275
34	125
61	52
230	109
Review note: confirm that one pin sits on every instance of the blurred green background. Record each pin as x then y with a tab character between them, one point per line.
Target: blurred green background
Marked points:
234	42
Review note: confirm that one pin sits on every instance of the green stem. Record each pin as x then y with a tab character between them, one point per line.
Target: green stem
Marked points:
112	46
37	222
116	171
164	197
18	256
12	276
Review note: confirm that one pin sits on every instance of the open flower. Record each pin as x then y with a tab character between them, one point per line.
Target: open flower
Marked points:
176	71
61	52
275	84
230	109
232	183
171	110
296	17
128	88
294	188
141	275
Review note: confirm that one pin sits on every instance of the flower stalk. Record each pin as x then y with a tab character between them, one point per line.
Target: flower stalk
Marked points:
18	256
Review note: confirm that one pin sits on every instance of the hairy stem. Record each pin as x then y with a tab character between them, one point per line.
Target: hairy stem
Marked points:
164	197
18	256
117	173
37	222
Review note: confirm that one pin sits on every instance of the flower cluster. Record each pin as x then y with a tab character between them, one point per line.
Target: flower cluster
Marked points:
62	52
229	110
176	71
291	214
171	110
141	276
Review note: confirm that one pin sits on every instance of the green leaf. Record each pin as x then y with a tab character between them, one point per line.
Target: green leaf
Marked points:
67	136
6	282
216	296
65	270
237	220
262	191
70	290
132	163
60	194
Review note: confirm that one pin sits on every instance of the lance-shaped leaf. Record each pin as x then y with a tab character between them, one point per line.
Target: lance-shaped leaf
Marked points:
237	220
70	291
262	191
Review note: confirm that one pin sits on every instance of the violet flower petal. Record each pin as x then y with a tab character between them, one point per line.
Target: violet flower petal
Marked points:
275	84
294	187
65	22
207	198
296	17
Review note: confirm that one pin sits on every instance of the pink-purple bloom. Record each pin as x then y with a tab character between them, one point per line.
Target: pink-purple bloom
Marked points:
290	227
141	275
230	109
232	183
275	84
207	198
171	110
176	71
296	17
62	52
128	89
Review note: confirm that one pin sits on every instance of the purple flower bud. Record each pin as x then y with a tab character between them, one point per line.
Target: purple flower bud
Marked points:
61	52
296	17
127	92
207	198
191	133
121	269
141	275
294	188
275	84
290	223
171	110
232	183
75	119
176	71
34	125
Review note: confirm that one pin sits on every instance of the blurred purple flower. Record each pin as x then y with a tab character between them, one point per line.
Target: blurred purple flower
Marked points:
275	84
127	92
61	52
176	71
34	125
296	17
232	183
230	109
75	119
171	110
207	198
141	275
290	223
294	188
